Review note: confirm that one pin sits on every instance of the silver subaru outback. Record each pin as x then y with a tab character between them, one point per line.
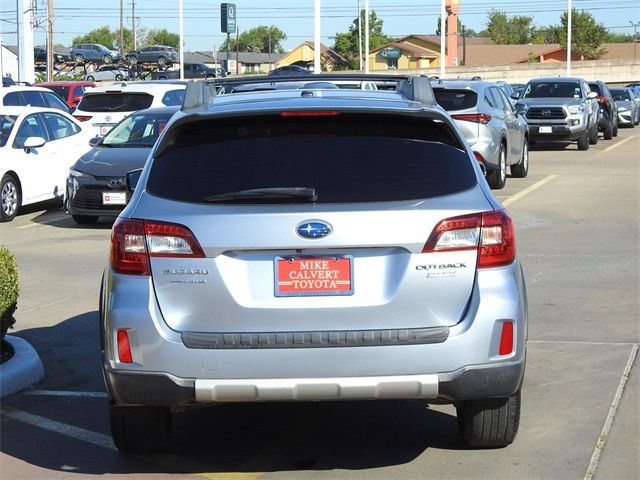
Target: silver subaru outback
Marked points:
306	245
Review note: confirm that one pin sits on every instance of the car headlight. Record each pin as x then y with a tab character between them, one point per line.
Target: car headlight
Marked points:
575	109
78	174
623	109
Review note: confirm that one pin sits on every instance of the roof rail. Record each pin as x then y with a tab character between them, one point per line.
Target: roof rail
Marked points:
199	94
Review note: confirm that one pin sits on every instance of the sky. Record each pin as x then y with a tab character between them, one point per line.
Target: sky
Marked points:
295	17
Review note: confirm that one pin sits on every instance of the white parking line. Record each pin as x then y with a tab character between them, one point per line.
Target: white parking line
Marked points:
88	436
604	435
617	144
62	393
528	190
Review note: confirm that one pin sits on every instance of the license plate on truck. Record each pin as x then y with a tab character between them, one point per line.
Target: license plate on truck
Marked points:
545	129
313	276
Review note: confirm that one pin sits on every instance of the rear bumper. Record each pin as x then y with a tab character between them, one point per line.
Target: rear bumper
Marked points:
478	381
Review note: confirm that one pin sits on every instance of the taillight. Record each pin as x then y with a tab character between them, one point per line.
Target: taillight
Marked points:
473	117
602	99
134	241
490	233
82	118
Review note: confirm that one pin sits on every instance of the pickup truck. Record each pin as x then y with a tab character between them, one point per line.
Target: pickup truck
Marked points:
191	70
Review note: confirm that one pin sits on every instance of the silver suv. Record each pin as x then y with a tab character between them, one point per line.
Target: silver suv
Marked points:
560	109
304	245
498	136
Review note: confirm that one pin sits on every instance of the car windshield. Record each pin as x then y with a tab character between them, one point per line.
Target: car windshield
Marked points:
115	102
62	91
552	90
335	159
137	130
620	94
6	126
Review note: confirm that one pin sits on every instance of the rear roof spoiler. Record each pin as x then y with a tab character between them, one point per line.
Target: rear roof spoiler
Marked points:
201	94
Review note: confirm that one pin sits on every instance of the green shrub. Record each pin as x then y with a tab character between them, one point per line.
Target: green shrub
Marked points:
8	290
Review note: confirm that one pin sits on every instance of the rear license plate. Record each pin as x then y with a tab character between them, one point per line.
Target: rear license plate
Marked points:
114	198
545	130
313	276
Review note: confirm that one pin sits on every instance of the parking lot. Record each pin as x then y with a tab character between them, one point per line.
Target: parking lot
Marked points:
576	218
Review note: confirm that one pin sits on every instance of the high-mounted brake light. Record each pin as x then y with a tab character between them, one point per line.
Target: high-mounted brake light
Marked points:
482	118
490	233
310	113
134	241
82	118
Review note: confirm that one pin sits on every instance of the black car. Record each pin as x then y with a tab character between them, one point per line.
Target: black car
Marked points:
158	54
97	185
608	123
291	70
40	56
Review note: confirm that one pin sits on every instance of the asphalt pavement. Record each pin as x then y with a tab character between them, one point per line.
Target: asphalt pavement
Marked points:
577	218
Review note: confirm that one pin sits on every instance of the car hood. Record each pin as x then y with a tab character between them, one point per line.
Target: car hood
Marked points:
550	102
107	161
625	103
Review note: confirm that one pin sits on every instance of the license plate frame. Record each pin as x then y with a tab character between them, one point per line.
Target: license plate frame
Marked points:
545	129
114	198
337	281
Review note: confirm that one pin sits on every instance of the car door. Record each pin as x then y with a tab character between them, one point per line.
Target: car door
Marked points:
66	145
514	129
35	167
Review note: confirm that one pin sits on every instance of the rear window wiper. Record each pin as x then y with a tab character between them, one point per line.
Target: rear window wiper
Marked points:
280	194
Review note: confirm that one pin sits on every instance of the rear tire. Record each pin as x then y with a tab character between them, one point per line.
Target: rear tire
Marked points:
497	178
593	135
79	58
489	422
143	429
91	78
10	198
162	61
583	141
119	77
608	132
84	219
615	130
107	59
521	169
132	60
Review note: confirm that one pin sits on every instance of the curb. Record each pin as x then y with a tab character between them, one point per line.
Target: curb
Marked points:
23	370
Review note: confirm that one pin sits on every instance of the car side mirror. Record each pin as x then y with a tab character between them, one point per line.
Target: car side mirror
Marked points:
33	142
514	96
521	108
95	141
592	95
132	179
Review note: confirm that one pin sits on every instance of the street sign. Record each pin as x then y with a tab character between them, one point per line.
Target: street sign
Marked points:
228	17
391	52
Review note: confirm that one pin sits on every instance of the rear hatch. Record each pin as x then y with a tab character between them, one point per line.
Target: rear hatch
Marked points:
462	105
103	110
311	223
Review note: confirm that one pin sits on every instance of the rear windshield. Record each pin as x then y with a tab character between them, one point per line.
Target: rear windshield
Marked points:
342	159
455	99
63	92
620	94
115	102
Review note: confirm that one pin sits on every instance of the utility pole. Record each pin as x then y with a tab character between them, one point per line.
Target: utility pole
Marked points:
366	36
181	22
569	40
133	24
49	40
122	29
443	13
316	38
359	37
635	36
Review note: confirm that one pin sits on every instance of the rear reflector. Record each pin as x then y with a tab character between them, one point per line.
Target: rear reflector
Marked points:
506	339
124	348
482	118
490	233
82	118
134	241
310	113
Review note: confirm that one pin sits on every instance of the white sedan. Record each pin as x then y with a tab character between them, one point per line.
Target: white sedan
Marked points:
37	147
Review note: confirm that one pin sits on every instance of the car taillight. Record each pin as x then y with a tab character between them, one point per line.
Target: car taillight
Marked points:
124	347
506	339
602	99
310	113
134	241
490	233
482	118
82	118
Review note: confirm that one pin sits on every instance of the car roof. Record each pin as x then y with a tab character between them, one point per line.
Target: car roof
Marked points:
557	79
21	88
138	87
462	84
63	83
24	110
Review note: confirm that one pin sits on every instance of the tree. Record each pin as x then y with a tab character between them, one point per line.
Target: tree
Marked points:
504	30
259	39
468	32
346	44
104	36
586	34
162	37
